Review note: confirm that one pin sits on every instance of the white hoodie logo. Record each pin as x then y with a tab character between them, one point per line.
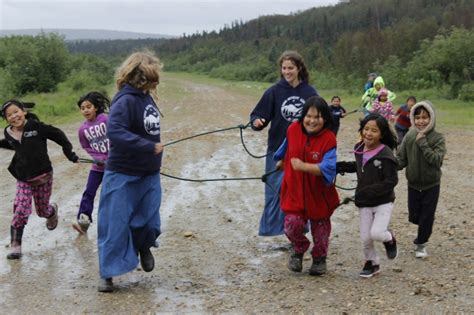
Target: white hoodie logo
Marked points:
151	120
292	107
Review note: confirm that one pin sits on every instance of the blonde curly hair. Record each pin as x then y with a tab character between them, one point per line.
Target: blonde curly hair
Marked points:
141	70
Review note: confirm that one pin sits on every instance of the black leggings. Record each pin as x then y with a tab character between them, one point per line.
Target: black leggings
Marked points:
421	211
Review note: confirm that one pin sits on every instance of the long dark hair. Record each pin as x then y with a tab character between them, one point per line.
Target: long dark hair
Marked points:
388	137
298	60
20	105
321	106
99	100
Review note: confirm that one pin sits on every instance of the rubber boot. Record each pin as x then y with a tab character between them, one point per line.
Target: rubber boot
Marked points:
16	235
295	262
146	259
318	267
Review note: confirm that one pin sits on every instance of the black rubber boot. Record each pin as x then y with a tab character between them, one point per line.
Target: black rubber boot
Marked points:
146	259
106	285
15	243
295	263
318	267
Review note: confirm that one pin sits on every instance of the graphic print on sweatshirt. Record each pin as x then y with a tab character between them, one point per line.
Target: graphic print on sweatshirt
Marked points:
151	120
292	107
97	137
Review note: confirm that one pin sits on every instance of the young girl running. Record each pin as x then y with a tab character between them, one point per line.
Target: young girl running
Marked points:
93	138
308	191
130	199
376	169
31	167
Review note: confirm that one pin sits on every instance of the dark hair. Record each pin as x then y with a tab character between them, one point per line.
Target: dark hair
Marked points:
20	105
388	137
322	107
334	97
99	100
411	98
421	108
298	60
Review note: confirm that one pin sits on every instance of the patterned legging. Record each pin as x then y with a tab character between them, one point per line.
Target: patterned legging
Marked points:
22	205
320	230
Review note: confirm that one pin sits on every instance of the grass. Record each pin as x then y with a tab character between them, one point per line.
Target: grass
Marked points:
60	107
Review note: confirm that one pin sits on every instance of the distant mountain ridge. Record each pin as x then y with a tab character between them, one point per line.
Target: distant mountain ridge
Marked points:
85	34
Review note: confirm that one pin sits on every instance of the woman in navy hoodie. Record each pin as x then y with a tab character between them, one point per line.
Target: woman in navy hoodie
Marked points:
128	216
281	104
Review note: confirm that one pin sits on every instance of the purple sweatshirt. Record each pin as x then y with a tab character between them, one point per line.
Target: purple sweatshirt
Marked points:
93	139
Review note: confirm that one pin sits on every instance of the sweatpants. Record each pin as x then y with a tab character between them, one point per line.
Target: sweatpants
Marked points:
421	211
87	202
320	230
373	227
22	206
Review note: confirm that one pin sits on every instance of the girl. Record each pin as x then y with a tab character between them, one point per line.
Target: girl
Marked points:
308	191
382	105
281	105
31	167
371	95
129	217
93	138
337	112
376	169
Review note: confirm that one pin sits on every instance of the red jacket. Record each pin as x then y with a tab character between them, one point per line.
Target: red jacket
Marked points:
303	193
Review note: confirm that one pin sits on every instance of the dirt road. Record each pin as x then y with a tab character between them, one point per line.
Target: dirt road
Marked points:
210	258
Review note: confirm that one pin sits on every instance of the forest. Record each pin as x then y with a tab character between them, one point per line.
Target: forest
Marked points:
413	44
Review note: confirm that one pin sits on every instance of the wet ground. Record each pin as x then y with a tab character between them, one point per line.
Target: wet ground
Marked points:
210	258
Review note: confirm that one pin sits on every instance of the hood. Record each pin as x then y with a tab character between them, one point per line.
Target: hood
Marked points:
430	108
383	91
127	89
379	80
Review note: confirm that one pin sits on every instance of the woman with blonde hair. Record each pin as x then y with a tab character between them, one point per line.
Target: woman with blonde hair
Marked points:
128	216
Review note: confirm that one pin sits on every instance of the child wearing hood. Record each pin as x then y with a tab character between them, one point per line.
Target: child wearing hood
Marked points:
371	94
422	153
382	105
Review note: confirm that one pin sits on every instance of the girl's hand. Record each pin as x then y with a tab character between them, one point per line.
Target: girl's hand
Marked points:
419	135
297	164
279	165
158	148
259	122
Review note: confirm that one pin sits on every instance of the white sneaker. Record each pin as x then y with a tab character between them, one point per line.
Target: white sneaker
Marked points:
82	224
420	251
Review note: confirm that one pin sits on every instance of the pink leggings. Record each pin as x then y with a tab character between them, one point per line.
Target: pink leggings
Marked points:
22	204
320	230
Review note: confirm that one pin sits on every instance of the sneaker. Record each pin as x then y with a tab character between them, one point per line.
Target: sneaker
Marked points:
369	269
295	263
82	224
391	248
318	267
52	221
420	251
106	285
147	260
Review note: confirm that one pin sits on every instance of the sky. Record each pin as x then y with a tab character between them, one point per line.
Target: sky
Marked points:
166	17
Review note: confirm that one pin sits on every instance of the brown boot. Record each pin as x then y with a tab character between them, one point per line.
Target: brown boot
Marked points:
15	244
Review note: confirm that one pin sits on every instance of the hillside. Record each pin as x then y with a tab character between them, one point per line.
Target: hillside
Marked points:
85	34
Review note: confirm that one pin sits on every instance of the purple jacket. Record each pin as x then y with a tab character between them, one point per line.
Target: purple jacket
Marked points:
93	139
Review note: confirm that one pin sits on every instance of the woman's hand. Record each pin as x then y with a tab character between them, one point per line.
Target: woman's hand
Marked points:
158	148
259	123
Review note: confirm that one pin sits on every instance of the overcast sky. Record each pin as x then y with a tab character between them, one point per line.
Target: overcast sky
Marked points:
169	17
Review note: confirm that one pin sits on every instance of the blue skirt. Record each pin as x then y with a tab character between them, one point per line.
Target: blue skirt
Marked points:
271	223
128	220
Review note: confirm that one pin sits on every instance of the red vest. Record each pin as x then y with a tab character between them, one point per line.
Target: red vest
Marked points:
303	193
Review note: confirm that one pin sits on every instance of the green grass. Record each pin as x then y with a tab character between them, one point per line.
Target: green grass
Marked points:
60	107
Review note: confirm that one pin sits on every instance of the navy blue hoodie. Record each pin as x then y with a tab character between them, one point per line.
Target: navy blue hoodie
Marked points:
133	129
281	104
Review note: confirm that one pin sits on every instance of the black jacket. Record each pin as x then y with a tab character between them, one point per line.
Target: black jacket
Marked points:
31	154
376	180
